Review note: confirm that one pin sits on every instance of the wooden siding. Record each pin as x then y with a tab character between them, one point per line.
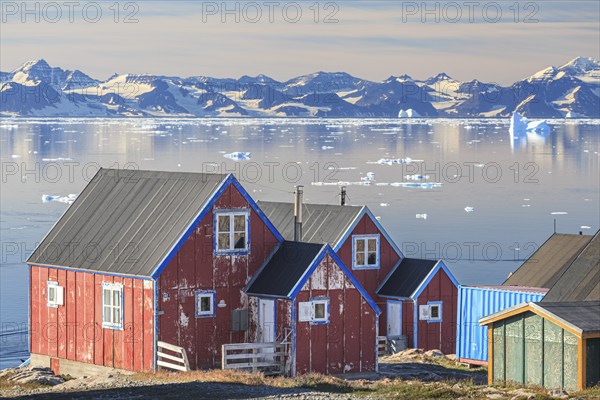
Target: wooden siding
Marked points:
348	342
196	267
371	279
438	335
74	331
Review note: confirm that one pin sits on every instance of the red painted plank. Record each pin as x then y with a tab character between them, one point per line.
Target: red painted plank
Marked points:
52	324
43	305
35	334
62	316
98	331
137	334
71	334
148	341
128	321
108	336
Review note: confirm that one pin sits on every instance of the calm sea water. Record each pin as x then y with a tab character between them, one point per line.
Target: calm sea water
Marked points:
489	203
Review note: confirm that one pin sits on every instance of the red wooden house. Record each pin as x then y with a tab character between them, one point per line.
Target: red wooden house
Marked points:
143	258
422	304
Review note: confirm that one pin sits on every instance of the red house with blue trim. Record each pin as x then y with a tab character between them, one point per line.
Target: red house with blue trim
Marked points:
146	264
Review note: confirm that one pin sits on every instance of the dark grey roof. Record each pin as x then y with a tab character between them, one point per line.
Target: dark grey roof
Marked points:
284	269
584	315
321	223
581	280
547	264
406	277
126	222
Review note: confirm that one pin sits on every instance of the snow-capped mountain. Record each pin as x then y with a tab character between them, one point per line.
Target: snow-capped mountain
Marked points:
38	89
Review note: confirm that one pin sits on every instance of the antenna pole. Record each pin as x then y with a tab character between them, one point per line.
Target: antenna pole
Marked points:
343	196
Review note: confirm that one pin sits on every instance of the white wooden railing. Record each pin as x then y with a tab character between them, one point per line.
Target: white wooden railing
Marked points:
382	346
266	357
175	359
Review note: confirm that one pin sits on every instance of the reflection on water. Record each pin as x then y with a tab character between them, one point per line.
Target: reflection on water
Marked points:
512	184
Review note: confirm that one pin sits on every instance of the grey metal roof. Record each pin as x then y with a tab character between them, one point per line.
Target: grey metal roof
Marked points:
583	315
581	280
321	223
125	221
406	277
284	269
547	264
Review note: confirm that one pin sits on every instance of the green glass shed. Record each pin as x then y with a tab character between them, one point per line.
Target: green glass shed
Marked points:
554	345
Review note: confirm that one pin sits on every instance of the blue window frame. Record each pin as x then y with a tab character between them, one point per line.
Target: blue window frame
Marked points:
435	311
365	251
206	303
232	231
112	305
320	310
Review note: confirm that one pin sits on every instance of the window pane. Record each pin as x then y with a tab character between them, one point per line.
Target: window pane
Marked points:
223	243
224	223
205	305
51	294
360	245
239	222
106	314
319	311
372	245
106	296
360	259
239	240
435	312
373	258
116	298
116	315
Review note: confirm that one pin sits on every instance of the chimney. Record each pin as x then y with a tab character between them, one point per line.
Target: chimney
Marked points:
298	214
343	196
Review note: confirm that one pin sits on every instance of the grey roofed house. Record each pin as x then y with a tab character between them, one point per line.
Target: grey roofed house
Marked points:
321	223
543	268
406	277
581	316
581	280
125	221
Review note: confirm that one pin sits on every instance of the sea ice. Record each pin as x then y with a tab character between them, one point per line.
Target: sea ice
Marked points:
520	125
421	216
469	209
238	155
69	199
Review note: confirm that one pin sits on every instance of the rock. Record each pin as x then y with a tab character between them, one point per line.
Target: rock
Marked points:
520	394
494	396
43	376
558	394
434	353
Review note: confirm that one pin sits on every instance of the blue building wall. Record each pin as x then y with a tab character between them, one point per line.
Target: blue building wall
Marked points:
475	303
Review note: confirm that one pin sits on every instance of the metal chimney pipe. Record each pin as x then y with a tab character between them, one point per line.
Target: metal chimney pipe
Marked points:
343	196
298	214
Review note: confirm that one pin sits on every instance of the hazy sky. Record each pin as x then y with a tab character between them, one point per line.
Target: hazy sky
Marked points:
488	40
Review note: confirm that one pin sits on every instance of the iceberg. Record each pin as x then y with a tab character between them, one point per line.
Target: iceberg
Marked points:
69	199
520	125
238	155
409	113
469	209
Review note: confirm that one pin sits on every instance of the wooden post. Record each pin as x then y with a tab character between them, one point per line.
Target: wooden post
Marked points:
254	359
490	332
581	354
298	214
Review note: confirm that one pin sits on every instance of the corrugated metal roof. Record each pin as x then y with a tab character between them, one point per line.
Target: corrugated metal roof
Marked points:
522	289
321	223
406	277
284	269
547	264
125	221
584	315
581	280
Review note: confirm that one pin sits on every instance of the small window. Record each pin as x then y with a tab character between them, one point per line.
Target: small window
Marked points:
366	252
112	305
55	294
205	303
431	312
231	231
315	311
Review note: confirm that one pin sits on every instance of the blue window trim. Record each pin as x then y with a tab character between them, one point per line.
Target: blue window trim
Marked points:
55	304
436	303
322	299
113	286
213	295
366	237
220	211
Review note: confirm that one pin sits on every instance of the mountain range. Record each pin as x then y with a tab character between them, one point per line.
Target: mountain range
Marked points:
36	89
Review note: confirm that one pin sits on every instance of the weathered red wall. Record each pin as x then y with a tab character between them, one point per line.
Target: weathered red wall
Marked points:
195	267
439	335
74	331
371	279
347	343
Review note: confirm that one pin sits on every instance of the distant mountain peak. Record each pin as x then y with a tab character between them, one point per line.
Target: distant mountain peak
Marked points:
442	76
29	65
581	65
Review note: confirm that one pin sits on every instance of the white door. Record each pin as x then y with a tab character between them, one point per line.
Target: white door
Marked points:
266	319
394	319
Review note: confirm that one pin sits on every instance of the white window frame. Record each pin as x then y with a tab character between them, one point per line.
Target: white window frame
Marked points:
108	318
325	303
431	305
366	239
58	291
232	214
199	294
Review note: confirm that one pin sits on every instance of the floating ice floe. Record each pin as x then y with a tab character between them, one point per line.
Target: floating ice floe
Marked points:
56	159
384	204
238	155
326	147
585	227
416	177
421	185
559	213
520	125
395	161
469	209
421	216
409	113
369	178
46	198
